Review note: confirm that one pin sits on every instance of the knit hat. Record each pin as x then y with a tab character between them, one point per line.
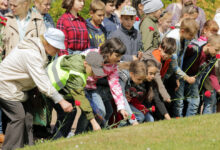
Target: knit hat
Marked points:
96	61
151	5
128	11
55	38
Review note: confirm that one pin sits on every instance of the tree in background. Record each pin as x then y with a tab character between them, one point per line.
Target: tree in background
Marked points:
209	6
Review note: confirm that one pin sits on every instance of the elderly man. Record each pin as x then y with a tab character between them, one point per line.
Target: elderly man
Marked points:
21	71
176	8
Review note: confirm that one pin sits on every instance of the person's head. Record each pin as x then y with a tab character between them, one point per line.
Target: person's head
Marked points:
112	50
128	15
121	3
97	12
165	21
109	6
73	5
151	69
19	7
94	64
213	45
152	7
167	48
53	41
188	2
3	4
139	7
190	11
210	28
43	6
188	29
137	70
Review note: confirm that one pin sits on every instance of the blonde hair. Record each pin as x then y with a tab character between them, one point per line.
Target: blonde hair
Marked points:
190	9
97	5
38	1
214	41
190	26
211	26
166	16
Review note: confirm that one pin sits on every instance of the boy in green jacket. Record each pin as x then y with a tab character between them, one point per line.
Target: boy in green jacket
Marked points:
68	75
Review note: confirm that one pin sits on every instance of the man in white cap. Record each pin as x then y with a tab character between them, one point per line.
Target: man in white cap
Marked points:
21	71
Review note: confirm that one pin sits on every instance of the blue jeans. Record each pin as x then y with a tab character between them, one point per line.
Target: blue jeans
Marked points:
210	103
140	116
189	92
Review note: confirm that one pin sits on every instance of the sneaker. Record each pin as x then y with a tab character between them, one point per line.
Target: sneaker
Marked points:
70	134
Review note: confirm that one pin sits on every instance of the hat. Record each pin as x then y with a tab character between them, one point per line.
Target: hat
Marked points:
55	38
95	60
129	11
151	5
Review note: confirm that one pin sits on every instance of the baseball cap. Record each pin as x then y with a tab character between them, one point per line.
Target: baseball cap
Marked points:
55	38
128	11
96	61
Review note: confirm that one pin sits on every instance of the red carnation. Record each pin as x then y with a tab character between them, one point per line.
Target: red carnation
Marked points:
218	56
137	18
153	108
132	117
77	103
3	19
207	94
151	28
3	23
172	27
190	46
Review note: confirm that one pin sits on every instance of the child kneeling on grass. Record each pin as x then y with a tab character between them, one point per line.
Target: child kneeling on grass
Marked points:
68	75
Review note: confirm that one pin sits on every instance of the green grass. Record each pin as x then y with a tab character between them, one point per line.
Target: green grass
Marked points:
193	133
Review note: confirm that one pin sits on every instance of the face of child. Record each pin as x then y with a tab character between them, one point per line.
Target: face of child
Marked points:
151	73
127	21
158	13
165	24
114	58
3	4
97	17
78	5
212	50
137	79
109	8
52	51
165	56
187	36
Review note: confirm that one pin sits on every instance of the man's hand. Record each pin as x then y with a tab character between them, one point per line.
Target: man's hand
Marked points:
168	100
66	106
190	80
124	114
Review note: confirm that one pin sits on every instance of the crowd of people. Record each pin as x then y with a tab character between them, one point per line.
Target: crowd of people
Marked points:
130	62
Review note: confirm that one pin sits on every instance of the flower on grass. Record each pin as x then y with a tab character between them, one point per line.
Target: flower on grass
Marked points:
151	28
77	103
207	94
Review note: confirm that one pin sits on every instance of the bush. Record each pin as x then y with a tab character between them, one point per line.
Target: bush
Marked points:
209	7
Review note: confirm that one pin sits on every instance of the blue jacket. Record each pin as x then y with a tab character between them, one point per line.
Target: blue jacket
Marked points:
97	36
111	24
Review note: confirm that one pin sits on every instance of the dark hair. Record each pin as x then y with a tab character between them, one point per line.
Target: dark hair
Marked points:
113	45
135	4
168	45
118	3
108	1
68	4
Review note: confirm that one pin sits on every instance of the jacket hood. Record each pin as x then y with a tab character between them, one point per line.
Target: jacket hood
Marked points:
90	26
33	44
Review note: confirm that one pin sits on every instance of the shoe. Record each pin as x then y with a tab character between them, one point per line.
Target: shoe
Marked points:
2	138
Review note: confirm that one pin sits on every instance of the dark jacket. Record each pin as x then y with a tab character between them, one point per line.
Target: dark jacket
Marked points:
111	24
97	36
131	39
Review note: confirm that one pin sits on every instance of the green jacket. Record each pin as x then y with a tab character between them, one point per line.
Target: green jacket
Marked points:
149	32
75	84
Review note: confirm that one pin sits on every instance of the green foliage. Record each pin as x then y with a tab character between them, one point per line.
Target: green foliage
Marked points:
209	7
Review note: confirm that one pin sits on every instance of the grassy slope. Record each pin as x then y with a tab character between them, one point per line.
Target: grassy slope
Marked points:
194	133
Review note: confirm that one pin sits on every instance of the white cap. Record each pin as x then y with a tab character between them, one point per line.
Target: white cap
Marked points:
55	38
128	11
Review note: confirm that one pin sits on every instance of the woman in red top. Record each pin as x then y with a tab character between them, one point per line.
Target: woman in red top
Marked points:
74	27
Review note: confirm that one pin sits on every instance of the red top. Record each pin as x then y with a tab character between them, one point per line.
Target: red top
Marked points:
76	34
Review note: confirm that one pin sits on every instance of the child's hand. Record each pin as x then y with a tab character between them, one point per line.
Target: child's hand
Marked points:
140	55
95	124
191	80
134	57
168	100
124	114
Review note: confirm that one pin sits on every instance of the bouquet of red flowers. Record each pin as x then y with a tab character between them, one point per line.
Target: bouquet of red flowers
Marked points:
2	25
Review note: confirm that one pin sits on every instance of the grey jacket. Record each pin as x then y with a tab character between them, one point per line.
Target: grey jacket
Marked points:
131	39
